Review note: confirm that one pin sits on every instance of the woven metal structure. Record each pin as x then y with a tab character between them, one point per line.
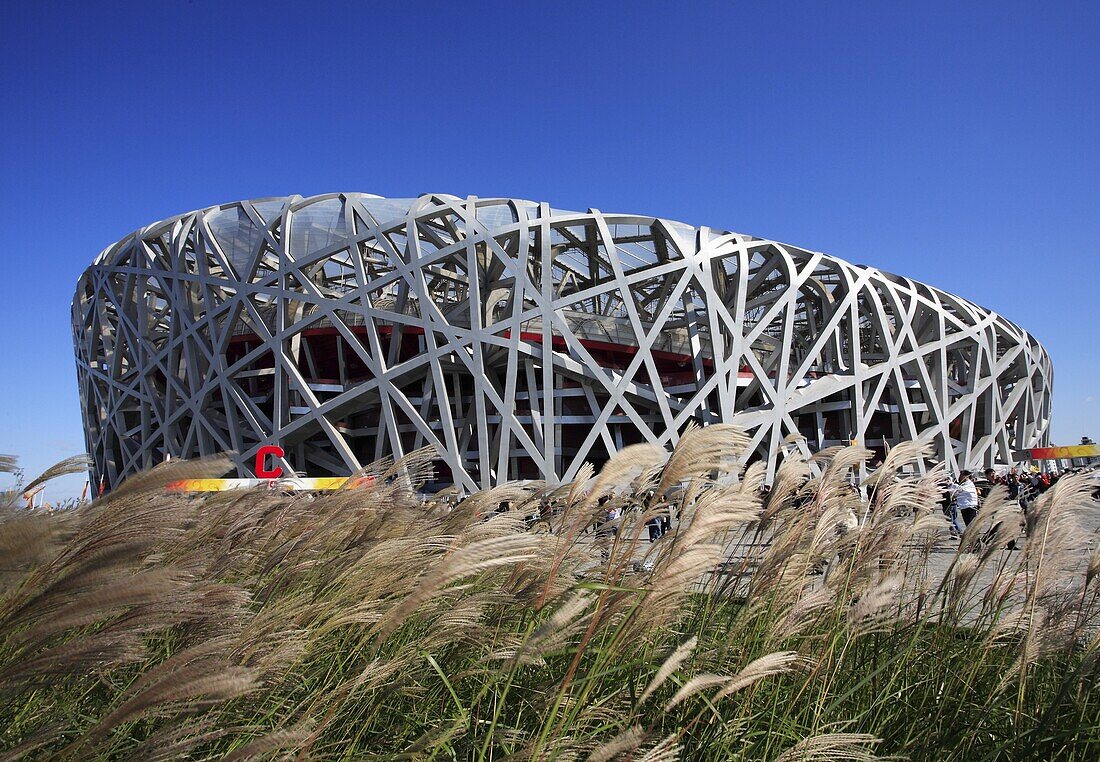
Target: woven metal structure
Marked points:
520	341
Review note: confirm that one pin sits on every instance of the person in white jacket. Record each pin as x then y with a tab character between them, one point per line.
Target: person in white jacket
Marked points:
964	501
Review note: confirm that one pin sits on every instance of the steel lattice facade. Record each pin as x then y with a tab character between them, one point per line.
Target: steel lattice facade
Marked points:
520	341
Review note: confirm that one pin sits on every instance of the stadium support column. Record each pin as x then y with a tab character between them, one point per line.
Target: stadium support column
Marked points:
474	302
546	295
280	383
858	420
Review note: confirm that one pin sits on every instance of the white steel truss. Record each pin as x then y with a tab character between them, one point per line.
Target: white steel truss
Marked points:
520	341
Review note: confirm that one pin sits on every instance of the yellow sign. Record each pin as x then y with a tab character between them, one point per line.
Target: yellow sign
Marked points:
322	483
1057	453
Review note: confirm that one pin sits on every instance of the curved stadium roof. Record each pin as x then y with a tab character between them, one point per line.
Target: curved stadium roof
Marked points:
520	340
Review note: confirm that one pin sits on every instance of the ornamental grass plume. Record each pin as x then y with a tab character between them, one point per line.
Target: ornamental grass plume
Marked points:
696	684
1057	608
665	750
670	665
702	450
832	747
623	467
778	663
77	464
565	624
625	742
102	602
371	622
580	485
876	608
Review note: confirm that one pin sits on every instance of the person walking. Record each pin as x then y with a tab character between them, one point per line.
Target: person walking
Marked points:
992	477
653	524
964	503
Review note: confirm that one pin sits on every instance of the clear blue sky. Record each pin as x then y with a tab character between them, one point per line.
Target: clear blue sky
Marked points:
957	144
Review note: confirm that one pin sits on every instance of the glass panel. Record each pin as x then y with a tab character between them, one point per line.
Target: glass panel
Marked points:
495	216
269	210
387	210
237	236
317	227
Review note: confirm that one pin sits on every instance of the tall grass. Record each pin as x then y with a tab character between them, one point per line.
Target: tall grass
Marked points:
369	623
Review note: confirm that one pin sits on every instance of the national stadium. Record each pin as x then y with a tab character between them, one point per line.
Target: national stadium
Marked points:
520	341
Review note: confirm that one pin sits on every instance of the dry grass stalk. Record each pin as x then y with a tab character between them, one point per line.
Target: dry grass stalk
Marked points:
27	541
277	740
626	741
623	467
77	464
790	478
554	634
701	451
666	750
329	608
803	614
832	747
876	607
160	476
581	484
198	673
479	556
777	663
696	684
179	739
669	666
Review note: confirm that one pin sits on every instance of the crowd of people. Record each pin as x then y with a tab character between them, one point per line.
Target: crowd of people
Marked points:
960	503
965	495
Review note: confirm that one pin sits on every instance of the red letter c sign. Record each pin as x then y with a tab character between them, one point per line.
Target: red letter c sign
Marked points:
262	471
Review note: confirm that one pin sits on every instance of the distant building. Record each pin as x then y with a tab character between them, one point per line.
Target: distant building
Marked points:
520	341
